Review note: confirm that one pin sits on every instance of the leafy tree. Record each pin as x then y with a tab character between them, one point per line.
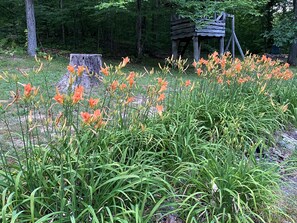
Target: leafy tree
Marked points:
131	27
11	23
292	59
284	31
198	9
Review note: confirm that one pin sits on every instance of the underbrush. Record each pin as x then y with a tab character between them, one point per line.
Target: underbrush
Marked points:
145	152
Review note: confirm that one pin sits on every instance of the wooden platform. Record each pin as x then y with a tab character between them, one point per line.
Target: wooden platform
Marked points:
184	30
183	27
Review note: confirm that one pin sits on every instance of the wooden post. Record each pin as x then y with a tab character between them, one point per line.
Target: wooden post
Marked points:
228	44
175	49
233	37
239	47
197	48
222	40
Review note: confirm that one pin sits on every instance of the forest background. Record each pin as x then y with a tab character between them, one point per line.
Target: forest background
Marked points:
141	28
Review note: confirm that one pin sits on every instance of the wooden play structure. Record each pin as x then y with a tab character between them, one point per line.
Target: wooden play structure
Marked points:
183	30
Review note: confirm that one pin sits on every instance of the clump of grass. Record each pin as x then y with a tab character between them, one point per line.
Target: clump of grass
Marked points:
222	188
130	150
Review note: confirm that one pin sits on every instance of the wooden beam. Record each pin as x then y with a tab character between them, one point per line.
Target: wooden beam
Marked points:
186	30
196	46
228	44
182	36
233	38
239	47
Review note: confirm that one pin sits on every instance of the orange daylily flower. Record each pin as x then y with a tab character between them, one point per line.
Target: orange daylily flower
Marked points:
123	86
159	109
163	84
97	115
161	97
86	117
217	60
80	70
223	63
188	83
59	98
100	124
242	80
288	75
287	65
194	64
215	54
129	100
93	102
79	89
78	94
203	61
160	80
163	87
264	58
220	80
105	71
130	78
131	82
71	68
114	85
27	90
199	71
238	67
125	61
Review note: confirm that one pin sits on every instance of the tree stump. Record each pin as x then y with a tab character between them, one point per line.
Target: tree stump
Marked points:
90	77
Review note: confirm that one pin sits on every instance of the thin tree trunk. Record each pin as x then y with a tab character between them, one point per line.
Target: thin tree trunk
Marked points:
292	58
62	25
98	39
31	27
139	30
154	28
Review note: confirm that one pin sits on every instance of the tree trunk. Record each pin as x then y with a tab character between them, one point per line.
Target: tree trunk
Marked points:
292	58
62	25
31	27
90	77
139	30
